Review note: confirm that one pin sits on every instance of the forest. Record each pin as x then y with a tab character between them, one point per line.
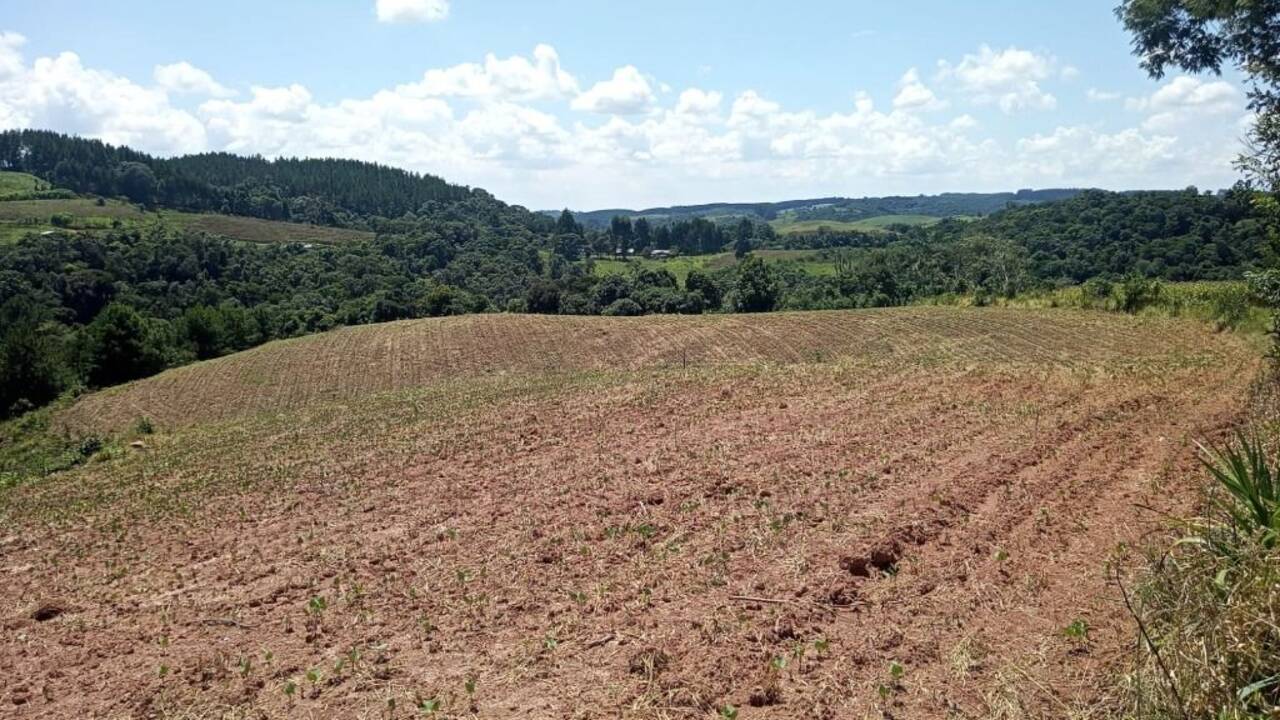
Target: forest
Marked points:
91	309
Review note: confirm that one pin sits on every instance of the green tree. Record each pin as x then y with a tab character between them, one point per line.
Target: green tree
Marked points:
542	297
137	182
1203	36
567	225
642	234
568	246
756	286
32	368
620	230
700	282
122	347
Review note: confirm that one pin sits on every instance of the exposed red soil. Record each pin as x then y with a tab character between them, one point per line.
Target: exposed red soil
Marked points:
660	546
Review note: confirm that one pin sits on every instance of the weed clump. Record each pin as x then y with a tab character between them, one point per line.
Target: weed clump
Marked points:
1209	610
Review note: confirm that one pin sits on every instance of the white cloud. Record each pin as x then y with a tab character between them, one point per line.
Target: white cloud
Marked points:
1085	152
515	78
61	93
698	103
914	95
1008	78
1184	102
522	128
628	92
183	77
1096	95
11	54
399	11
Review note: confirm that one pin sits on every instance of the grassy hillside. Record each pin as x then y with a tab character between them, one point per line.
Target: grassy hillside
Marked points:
20	217
851	514
16	183
837	209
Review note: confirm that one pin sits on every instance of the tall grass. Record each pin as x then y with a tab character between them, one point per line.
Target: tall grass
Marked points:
1227	305
1208	609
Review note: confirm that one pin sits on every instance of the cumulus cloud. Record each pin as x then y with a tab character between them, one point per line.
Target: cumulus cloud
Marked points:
183	77
404	11
1009	78
698	103
1185	102
914	95
62	94
523	128
11	54
628	92
516	78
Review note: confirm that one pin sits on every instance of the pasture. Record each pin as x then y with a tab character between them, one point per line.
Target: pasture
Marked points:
21	217
811	261
788	226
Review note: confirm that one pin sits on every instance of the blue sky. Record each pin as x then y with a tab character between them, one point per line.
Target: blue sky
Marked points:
592	104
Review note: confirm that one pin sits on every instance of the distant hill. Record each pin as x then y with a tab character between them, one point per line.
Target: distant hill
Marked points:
838	209
319	191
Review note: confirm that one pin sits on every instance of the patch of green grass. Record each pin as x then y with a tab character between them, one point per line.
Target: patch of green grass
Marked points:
871	224
33	446
19	218
1227	305
810	261
16	183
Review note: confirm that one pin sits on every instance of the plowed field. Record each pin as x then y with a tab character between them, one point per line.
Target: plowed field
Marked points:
846	515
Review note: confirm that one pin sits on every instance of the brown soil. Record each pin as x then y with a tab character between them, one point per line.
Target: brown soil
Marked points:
643	543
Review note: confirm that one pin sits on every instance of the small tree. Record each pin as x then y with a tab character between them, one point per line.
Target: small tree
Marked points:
32	370
542	297
137	182
122	347
756	288
698	281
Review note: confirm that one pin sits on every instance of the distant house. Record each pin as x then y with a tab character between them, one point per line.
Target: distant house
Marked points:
661	254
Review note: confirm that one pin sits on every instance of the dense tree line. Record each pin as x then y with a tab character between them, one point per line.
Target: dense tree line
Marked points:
319	191
837	208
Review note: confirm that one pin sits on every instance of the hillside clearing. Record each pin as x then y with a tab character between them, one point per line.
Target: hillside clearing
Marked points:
20	217
811	261
879	222
580	517
17	184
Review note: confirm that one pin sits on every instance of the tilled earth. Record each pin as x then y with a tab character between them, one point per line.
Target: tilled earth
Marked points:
842	540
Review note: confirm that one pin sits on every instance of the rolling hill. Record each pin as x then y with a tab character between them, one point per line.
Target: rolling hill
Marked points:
513	515
837	209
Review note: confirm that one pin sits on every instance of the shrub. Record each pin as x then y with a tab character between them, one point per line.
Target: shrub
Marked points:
625	307
1096	292
1252	484
1229	305
1137	292
542	297
1208	611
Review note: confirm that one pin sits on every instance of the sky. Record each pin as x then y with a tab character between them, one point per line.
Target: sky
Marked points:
588	104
